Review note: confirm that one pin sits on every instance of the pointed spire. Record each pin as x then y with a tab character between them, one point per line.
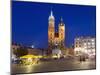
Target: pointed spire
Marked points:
51	12
51	15
61	19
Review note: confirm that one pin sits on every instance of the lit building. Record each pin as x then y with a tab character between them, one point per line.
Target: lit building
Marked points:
55	39
84	45
31	50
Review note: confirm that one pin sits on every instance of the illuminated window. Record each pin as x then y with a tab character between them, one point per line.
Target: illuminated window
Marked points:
85	51
89	43
93	46
89	51
85	47
84	43
77	38
50	34
92	40
92	43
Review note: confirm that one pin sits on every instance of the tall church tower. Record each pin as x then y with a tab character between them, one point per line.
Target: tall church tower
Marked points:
51	30
61	33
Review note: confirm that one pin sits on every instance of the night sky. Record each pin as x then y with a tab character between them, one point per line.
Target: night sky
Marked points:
30	22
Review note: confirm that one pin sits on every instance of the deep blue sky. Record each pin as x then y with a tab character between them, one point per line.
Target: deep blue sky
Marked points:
30	22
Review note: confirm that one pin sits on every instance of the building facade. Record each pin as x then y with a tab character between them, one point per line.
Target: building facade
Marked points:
85	45
55	39
31	51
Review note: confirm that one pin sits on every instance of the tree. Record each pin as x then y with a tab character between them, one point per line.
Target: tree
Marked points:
20	51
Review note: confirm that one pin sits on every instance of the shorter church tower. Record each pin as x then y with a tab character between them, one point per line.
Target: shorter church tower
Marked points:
61	33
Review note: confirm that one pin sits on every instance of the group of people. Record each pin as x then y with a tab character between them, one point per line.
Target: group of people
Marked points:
82	58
